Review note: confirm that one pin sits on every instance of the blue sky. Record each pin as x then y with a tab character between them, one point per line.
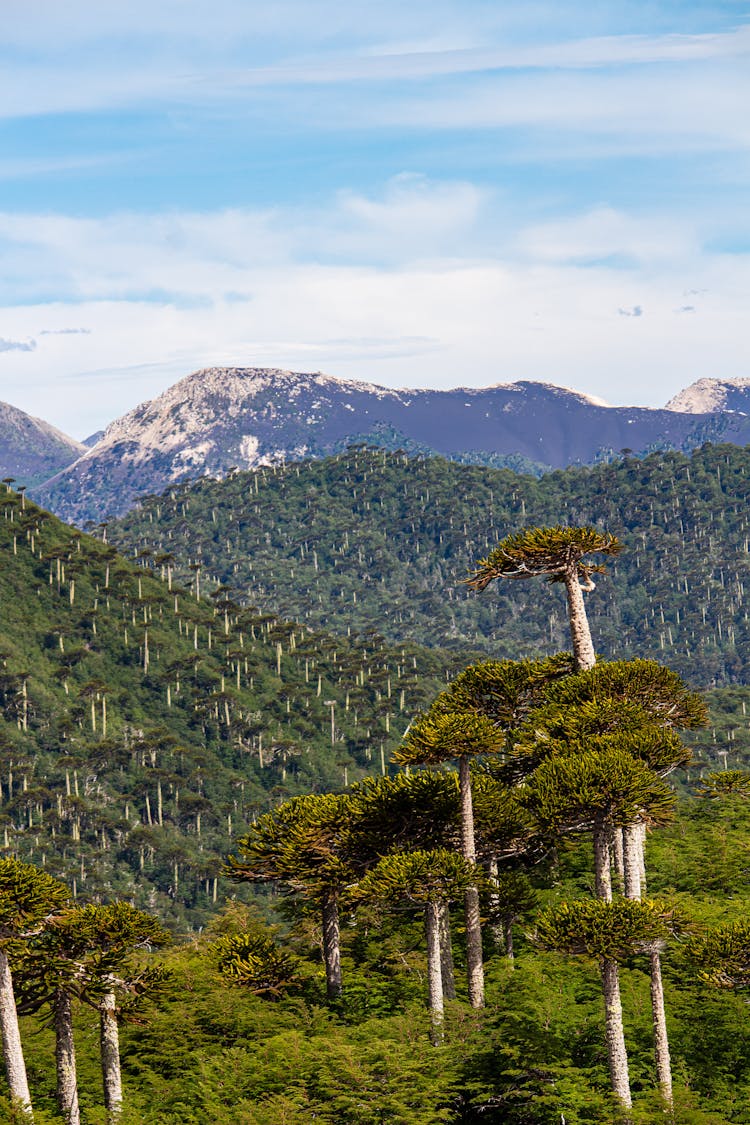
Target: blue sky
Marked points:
421	194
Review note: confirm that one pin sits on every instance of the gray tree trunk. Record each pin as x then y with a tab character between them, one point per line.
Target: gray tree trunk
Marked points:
661	1039
617	1056
434	974
446	955
618	857
498	930
65	1059
508	935
109	1039
631	835
331	945
602	876
474	963
634	845
580	634
15	1067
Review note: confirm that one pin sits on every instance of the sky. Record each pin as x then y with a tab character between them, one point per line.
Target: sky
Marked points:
428	194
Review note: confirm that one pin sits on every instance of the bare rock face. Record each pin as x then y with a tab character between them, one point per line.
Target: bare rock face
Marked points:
31	450
706	396
223	418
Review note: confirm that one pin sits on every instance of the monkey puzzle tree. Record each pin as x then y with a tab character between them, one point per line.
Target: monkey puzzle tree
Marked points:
440	737
256	963
29	898
609	932
594	791
86	953
300	846
560	554
429	880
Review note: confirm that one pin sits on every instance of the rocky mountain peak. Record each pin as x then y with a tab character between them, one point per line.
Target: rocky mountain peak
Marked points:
706	396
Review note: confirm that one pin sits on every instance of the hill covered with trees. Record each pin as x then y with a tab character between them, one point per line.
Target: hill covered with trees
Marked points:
142	727
379	540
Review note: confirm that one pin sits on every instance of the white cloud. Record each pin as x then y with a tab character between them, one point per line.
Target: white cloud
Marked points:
552	302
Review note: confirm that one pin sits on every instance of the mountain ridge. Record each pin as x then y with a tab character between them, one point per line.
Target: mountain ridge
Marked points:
217	419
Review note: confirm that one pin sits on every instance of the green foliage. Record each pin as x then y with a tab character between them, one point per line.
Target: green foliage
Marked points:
734	783
551	551
402	534
141	728
613	930
441	737
27	897
575	792
722	956
256	963
418	877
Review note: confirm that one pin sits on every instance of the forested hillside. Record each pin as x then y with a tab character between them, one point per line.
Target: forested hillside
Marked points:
377	540
142	728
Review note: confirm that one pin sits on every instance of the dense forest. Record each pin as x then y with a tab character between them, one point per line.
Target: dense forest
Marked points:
379	540
402	884
142	727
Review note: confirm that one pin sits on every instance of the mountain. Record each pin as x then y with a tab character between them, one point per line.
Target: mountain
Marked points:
31	450
140	726
707	396
370	539
221	418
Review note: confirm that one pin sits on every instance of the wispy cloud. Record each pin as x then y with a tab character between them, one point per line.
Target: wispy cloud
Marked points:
17	345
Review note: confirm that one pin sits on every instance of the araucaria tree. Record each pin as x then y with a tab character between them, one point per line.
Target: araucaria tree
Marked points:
429	880
609	932
561	555
28	898
434	738
299	846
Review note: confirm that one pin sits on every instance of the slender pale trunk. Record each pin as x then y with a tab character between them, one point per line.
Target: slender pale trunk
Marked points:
331	945
109	1039
65	1059
617	1056
631	835
508	936
498	930
634	846
580	634
602	875
474	965
661	1039
434	973
446	954
618	857
15	1067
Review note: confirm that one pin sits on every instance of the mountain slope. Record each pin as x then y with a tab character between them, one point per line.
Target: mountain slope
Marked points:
31	450
234	417
376	540
141	727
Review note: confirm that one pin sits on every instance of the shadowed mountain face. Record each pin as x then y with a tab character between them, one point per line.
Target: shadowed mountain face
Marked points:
32	450
242	417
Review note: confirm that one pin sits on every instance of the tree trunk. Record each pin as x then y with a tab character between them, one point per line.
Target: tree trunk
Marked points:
15	1067
602	877
508	935
580	634
434	974
631	835
634	847
661	1040
618	857
110	1050
446	954
614	1034
65	1058
474	965
331	945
